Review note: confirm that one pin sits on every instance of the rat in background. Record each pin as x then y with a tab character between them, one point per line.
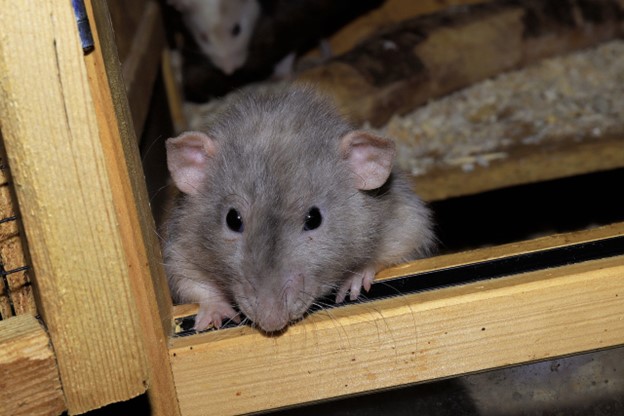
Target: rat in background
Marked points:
221	28
282	203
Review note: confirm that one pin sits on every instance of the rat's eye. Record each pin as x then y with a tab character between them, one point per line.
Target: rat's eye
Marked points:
234	221
313	219
236	29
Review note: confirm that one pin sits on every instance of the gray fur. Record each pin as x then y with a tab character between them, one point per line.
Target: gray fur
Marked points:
278	156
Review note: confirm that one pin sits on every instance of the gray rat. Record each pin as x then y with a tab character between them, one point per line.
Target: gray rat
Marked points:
282	202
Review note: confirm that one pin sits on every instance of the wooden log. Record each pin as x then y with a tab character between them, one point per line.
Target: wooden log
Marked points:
135	221
429	56
408	339
58	165
29	379
389	13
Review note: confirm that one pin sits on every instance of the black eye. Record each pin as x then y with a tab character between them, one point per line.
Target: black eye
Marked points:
236	30
313	220
234	221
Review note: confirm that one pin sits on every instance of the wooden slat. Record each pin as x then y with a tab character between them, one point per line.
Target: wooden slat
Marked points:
404	340
143	62
136	224
570	156
52	140
29	379
503	250
174	93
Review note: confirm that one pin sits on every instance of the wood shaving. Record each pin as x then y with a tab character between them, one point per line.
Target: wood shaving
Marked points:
575	97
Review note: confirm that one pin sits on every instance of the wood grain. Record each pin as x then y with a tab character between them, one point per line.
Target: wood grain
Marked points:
503	250
136	225
29	379
52	140
404	340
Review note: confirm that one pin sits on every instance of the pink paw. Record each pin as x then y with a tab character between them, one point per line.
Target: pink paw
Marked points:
213	314
354	284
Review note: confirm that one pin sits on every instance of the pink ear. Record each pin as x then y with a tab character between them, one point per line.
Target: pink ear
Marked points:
370	158
187	158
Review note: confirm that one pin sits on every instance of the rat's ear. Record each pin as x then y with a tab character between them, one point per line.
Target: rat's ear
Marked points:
187	158
369	156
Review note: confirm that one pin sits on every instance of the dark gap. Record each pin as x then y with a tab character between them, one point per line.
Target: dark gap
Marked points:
527	211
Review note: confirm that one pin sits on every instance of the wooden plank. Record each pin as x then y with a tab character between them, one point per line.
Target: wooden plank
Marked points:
404	340
569	157
136	224
29	379
143	62
58	165
503	250
125	18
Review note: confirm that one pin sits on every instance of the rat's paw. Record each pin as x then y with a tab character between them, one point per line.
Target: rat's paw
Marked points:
354	284
213	314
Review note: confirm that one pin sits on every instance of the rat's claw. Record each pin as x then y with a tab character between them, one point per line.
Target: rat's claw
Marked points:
355	283
342	292
212	315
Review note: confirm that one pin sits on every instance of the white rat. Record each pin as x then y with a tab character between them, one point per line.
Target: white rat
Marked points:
283	202
221	28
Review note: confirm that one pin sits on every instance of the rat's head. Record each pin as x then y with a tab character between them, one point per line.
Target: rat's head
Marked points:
221	28
275	190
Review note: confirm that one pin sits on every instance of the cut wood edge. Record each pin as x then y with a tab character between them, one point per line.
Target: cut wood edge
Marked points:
30	383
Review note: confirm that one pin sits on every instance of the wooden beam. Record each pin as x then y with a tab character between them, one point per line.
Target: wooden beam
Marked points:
59	168
136	224
29	379
407	339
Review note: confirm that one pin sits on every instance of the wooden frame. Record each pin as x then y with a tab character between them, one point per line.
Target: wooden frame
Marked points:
411	338
72	149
